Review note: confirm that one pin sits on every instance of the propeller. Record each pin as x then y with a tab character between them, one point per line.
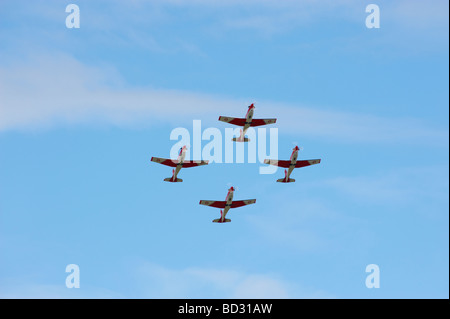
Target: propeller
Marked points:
252	103
231	185
295	143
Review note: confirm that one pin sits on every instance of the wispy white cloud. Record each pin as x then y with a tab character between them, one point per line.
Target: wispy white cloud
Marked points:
306	225
138	23
312	223
419	15
53	291
197	282
402	186
353	127
56	89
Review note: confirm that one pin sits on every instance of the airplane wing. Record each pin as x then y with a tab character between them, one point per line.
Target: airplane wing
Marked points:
194	163
284	164
240	203
213	203
164	161
259	122
232	120
307	163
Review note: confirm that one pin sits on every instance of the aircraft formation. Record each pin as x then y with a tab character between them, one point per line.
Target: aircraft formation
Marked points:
246	122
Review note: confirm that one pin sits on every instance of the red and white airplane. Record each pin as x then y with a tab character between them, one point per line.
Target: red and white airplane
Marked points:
178	164
292	163
226	205
246	122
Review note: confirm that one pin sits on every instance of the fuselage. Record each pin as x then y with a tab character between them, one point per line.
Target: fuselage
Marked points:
248	120
229	201
180	160
293	160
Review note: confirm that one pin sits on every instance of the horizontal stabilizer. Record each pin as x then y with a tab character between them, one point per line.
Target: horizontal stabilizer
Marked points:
169	179
218	220
283	180
286	164
238	139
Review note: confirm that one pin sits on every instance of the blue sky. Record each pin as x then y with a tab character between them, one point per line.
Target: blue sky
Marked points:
82	111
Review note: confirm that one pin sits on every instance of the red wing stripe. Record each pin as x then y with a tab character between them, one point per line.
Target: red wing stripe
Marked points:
240	203
213	203
194	163
307	163
259	122
284	164
232	120
165	161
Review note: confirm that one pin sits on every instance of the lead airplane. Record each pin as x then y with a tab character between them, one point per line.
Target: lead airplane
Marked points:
246	122
226	205
178	164
292	163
